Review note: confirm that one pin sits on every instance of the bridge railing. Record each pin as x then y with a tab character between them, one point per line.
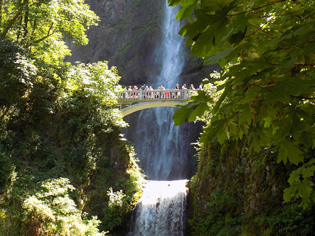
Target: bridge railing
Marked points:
156	94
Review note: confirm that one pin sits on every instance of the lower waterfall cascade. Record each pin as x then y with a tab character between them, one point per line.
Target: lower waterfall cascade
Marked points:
161	209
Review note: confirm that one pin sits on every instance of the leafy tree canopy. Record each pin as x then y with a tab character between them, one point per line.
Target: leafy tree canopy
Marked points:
40	25
267	53
56	128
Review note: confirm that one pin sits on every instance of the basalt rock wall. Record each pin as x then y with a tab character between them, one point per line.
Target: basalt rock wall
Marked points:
128	36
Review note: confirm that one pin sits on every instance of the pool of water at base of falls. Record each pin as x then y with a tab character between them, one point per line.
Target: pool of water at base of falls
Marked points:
161	209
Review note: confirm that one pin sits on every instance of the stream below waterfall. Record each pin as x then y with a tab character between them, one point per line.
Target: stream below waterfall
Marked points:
161	148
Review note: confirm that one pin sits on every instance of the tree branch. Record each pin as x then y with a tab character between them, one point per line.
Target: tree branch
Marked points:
282	118
26	18
11	22
302	97
1	11
292	2
19	29
254	10
48	34
34	27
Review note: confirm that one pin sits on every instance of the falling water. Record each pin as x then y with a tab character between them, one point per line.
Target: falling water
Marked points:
161	209
161	149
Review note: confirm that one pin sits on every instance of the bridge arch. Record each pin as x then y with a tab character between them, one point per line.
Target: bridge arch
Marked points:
145	105
136	100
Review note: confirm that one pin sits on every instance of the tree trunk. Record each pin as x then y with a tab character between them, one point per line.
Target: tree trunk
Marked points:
1	12
26	3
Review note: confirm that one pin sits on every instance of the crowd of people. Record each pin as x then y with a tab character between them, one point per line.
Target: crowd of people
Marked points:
147	92
161	87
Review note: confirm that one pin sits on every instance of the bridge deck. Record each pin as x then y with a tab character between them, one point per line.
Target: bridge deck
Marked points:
135	100
154	95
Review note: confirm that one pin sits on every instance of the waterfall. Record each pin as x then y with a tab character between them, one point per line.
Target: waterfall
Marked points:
162	147
159	143
161	209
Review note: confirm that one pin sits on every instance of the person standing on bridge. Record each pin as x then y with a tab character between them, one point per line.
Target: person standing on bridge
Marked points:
177	94
129	92
159	94
147	93
151	93
167	94
135	93
143	90
184	93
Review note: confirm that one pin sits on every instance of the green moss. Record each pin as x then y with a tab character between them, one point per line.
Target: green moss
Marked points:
153	23
136	3
124	48
120	23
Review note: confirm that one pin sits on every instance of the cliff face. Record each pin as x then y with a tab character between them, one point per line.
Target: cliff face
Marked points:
127	36
235	193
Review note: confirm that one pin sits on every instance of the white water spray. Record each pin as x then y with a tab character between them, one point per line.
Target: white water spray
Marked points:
161	209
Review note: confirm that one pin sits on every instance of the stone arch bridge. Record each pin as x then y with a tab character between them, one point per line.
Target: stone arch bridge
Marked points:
131	101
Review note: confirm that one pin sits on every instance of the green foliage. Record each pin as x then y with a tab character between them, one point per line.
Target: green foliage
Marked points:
41	25
60	141
266	51
94	81
301	184
52	211
194	109
235	192
59	125
16	73
117	207
291	220
6	171
198	104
